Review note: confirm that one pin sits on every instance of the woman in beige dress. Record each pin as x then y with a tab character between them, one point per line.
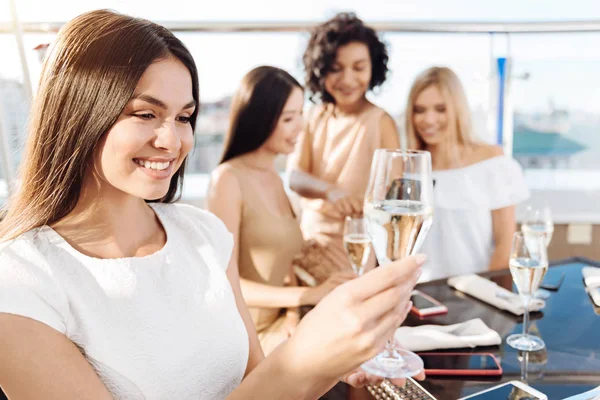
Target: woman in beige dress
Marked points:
247	193
330	167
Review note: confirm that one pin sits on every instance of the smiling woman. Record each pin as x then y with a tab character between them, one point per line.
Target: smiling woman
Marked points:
107	291
153	134
266	119
473	227
330	167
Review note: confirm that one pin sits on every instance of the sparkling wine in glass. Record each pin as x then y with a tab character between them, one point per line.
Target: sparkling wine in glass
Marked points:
399	213
538	221
528	265
357	243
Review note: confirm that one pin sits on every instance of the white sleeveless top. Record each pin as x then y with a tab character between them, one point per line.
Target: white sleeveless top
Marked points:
461	238
163	326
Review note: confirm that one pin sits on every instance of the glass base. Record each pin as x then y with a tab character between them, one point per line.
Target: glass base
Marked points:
525	342
397	364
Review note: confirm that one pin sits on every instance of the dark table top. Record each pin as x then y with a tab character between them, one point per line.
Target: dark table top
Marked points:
569	325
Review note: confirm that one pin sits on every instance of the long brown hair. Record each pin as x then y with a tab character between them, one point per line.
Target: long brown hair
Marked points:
459	116
87	79
256	108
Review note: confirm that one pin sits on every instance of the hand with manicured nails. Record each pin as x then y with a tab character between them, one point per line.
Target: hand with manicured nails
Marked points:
353	323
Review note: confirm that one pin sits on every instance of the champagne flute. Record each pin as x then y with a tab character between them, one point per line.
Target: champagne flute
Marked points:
538	221
399	213
528	265
357	243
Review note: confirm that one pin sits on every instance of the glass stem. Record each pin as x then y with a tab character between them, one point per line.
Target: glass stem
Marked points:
390	346
526	301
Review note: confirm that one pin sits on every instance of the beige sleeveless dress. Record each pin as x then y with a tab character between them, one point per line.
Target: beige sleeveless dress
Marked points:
267	244
341	153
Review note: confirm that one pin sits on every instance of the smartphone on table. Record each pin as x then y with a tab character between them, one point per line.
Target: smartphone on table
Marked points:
454	364
426	306
552	280
513	390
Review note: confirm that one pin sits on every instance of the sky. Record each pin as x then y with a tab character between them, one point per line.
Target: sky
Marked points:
471	10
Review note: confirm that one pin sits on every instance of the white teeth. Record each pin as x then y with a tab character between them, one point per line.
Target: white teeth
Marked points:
159	166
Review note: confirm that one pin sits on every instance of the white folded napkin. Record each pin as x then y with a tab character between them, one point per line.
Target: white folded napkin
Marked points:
591	277
489	292
471	333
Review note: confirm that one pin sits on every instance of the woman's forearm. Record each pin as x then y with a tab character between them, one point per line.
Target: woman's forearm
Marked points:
268	296
500	258
277	378
308	186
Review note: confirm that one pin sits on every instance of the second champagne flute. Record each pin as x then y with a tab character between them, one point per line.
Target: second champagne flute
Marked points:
357	243
528	265
538	221
399	213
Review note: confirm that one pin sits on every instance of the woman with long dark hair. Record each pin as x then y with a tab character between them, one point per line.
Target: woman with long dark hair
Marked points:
265	120
107	289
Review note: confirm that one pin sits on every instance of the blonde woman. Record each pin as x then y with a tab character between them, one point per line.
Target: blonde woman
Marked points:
476	185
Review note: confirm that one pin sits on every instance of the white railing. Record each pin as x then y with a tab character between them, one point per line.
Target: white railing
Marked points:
381	26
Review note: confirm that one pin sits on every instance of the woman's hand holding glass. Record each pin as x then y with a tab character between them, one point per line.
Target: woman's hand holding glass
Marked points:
399	214
317	293
353	323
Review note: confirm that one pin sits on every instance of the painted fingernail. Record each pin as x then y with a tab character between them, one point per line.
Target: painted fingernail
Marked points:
420	258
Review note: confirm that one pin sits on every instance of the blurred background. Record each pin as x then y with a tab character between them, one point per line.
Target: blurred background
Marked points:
530	69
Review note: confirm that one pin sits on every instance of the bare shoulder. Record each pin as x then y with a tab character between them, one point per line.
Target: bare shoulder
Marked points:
387	122
223	180
390	138
224	174
315	114
483	152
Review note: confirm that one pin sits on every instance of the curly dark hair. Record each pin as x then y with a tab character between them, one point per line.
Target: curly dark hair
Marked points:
322	49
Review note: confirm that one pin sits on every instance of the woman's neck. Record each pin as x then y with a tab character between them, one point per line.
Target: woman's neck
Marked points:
350	109
111	224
